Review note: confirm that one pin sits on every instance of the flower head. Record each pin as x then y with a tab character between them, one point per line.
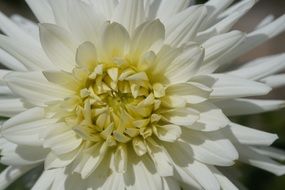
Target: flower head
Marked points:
132	94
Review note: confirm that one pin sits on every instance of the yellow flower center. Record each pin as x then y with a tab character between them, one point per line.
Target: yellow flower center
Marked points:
114	103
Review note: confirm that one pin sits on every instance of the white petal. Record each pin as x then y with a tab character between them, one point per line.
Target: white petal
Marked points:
11	106
58	161
169	133
86	54
181	116
228	86
170	183
63	142
185	165
215	7
42	10
249	156
91	159
211	118
261	67
249	106
58	45
145	36
32	57
129	13
107	7
27	25
258	37
146	173
34	87
115	40
272	152
78	11
160	158
183	27
10	62
275	81
250	136
11	29
11	174
211	148
26	132
47	178
121	158
231	16
225	183
168	8
12	154
185	65
192	92
217	49
59	11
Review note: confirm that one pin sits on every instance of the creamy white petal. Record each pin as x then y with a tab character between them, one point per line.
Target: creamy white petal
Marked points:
47	178
225	183
168	133
215	7
249	136
62	142
58	45
59	161
192	92
115	40
168	8
249	106
11	106
11	29
258	37
42	10
20	155
196	170
91	159
262	67
32	57
59	11
211	118
183	27
146	175
227	87
275	81
10	62
231	16
217	49
181	116
34	87
129	13
146	35
78	11
249	156
86	54
160	158
272	152
210	148
11	174
107	7
185	65
26	133
169	183
27	25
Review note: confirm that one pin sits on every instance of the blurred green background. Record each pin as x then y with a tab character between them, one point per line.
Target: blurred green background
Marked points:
274	122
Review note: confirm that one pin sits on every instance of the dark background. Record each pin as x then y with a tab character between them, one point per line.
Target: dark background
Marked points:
254	179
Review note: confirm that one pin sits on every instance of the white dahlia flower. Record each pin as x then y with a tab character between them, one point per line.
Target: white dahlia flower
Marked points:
133	94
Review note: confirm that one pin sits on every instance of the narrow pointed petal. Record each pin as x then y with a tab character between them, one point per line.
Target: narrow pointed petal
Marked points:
249	106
